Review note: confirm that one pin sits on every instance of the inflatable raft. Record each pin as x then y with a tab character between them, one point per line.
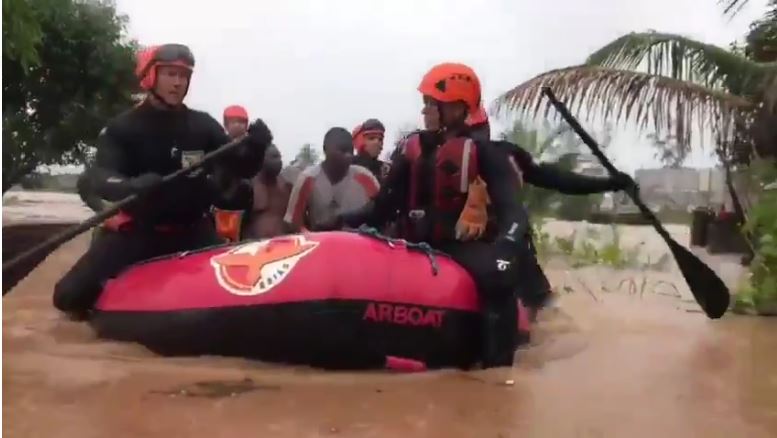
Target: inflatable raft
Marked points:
339	300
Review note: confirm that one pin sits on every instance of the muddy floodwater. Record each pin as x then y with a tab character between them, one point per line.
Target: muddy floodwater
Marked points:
606	362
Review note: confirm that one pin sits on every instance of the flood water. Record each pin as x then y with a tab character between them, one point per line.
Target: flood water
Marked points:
600	365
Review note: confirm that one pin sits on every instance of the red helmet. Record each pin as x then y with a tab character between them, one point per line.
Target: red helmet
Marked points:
479	117
451	82
167	54
235	112
370	126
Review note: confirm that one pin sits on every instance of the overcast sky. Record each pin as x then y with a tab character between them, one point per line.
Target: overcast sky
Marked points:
304	66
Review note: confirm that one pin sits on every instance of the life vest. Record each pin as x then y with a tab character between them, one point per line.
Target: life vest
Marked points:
455	168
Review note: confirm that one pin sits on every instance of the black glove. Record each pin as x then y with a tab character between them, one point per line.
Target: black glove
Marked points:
144	183
234	194
259	134
622	181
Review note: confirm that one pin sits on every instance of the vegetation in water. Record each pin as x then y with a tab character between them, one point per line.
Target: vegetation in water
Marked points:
759	293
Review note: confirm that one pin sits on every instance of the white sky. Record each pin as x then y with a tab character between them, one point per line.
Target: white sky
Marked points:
304	66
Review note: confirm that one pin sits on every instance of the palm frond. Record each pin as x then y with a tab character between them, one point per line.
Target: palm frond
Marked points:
732	7
685	59
663	104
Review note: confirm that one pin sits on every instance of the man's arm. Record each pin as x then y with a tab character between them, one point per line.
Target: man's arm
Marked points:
230	176
298	203
553	177
390	198
495	170
113	169
366	180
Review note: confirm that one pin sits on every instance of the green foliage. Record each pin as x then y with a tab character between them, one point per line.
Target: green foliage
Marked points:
587	250
306	156
761	290
84	75
21	33
541	238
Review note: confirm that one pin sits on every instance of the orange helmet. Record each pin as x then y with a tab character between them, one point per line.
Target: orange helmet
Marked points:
479	117
451	82
235	112
370	126
152	57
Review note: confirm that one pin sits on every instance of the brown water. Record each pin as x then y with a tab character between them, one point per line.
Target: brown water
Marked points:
606	365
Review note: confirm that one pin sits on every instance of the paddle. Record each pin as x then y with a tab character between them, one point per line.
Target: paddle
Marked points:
707	288
22	260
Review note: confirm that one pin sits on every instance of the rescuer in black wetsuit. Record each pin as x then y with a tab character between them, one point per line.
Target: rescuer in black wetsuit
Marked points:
134	151
538	291
428	183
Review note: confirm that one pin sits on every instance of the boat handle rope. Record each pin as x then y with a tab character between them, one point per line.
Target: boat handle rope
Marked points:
422	247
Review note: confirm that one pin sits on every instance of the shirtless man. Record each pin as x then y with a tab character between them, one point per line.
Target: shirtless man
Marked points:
326	191
271	196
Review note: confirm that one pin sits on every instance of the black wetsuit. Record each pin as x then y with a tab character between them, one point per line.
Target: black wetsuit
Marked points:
87	193
148	140
372	164
552	177
491	264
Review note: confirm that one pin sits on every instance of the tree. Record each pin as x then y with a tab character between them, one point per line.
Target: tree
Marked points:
678	87
670	83
683	85
667	151
306	157
21	33
83	76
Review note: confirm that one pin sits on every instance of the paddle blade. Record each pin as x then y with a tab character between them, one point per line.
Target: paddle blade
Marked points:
707	288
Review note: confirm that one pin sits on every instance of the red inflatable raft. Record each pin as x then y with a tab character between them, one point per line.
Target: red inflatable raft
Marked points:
333	300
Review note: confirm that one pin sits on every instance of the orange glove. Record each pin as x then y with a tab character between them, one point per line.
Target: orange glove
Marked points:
228	223
474	218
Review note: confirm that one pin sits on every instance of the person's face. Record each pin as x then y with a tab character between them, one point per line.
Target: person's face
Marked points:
452	114
172	81
272	162
373	144
235	127
431	114
339	154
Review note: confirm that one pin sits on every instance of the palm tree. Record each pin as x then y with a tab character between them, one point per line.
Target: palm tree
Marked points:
666	82
684	84
673	85
732	7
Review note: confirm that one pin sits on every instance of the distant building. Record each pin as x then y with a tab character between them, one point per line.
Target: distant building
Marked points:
588	164
683	187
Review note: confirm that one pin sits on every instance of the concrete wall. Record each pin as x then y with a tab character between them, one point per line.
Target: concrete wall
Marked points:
683	187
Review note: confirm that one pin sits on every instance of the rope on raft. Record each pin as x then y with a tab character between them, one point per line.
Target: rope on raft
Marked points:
422	247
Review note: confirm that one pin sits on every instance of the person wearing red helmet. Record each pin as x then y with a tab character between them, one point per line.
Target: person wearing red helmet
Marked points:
235	121
134	150
428	183
230	223
473	221
368	141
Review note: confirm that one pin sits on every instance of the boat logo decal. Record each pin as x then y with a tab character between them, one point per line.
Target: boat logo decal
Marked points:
254	268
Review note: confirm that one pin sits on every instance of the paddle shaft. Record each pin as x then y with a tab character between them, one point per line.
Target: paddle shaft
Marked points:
707	288
597	151
55	241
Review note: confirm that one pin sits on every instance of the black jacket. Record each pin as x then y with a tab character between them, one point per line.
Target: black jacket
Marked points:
150	140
